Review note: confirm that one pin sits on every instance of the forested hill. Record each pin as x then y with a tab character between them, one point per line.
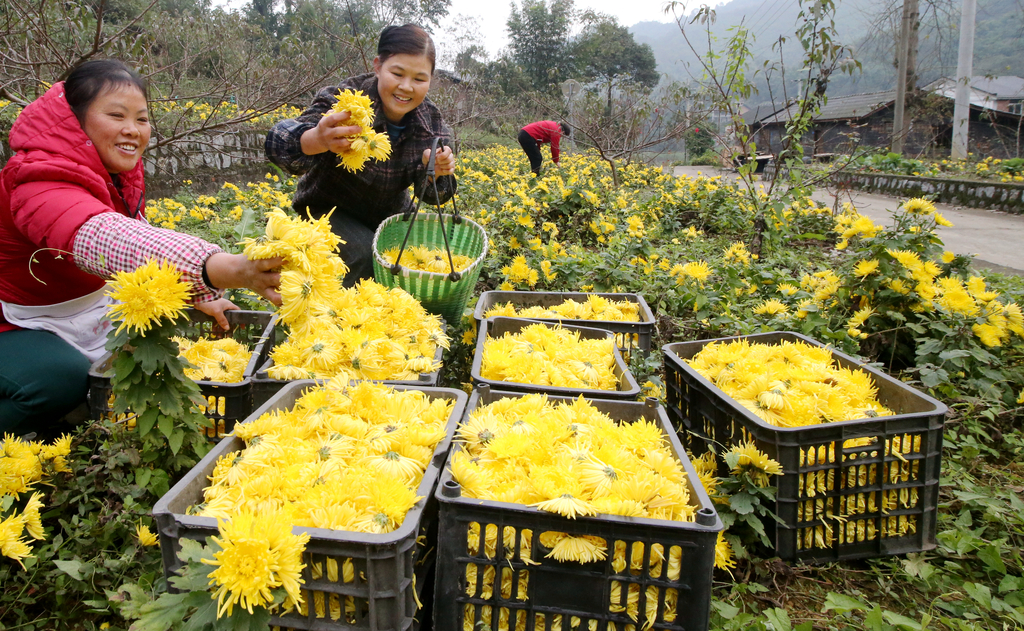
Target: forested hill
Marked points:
871	26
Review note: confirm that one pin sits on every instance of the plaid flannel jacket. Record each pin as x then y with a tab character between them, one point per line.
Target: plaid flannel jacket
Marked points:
380	189
111	242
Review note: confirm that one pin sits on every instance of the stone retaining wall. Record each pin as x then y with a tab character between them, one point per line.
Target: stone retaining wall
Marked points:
214	151
1008	197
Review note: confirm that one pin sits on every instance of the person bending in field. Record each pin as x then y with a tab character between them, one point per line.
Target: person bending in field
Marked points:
539	133
309	146
72	213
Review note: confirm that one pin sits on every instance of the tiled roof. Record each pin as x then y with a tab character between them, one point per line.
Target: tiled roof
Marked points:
1005	87
840	107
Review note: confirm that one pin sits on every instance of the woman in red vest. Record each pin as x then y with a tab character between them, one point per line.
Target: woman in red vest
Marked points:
535	134
72	212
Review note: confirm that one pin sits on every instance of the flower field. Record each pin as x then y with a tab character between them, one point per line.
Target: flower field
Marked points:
887	292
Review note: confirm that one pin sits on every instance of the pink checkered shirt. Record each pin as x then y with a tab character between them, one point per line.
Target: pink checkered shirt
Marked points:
111	242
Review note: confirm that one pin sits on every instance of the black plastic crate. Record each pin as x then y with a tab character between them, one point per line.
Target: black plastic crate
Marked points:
391	571
628	335
498	326
569	595
853	489
226	403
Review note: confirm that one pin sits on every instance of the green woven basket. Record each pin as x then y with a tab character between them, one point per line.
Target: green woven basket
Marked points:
437	292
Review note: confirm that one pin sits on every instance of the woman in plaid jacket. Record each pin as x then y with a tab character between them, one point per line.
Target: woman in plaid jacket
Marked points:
72	213
360	201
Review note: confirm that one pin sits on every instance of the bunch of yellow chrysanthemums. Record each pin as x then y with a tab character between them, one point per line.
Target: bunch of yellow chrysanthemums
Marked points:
342	457
423	259
593	308
222	360
362	332
571	459
550	356
790	384
22	465
367	143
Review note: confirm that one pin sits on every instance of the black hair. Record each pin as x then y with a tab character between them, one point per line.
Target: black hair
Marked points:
90	79
408	39
565	129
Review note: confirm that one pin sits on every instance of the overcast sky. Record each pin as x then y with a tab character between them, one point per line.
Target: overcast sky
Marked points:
489	17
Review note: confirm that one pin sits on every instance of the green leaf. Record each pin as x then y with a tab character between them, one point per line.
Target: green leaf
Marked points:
991	557
874	620
160	483
205	615
742	503
980	593
169	398
191	550
166	425
147	420
1010	583
724	609
123	365
842	603
902	621
916	565
174	441
149	354
142	476
779	619
946	355
72	568
163	614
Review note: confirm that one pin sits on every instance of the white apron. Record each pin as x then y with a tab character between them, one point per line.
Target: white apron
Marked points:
78	322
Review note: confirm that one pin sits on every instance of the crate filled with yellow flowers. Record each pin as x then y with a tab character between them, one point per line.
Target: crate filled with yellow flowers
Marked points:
860	451
528	356
626	315
352	469
223	364
326	330
564	513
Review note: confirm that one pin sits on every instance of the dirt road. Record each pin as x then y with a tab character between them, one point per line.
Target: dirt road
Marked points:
996	239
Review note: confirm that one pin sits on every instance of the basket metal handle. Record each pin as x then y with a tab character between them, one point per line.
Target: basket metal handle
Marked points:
430	179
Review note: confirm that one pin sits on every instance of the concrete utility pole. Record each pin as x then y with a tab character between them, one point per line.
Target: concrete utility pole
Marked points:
964	74
905	75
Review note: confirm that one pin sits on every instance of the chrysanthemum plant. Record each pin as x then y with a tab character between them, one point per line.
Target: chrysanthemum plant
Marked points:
256	569
925	310
744	497
149	377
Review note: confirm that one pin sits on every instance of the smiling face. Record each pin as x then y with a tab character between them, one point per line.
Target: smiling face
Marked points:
117	123
402	83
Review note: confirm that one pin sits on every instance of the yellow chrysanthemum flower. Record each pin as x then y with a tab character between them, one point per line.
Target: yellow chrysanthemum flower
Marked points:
863	269
697	270
771	307
145	536
151	293
367	143
755	463
919	206
258	553
724	559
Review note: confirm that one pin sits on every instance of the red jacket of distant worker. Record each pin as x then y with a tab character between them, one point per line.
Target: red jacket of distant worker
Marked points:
546	131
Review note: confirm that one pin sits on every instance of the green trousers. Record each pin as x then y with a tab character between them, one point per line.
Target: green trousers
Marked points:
42	378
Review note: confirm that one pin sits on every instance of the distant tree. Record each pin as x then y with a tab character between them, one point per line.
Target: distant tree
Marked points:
606	53
539	37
